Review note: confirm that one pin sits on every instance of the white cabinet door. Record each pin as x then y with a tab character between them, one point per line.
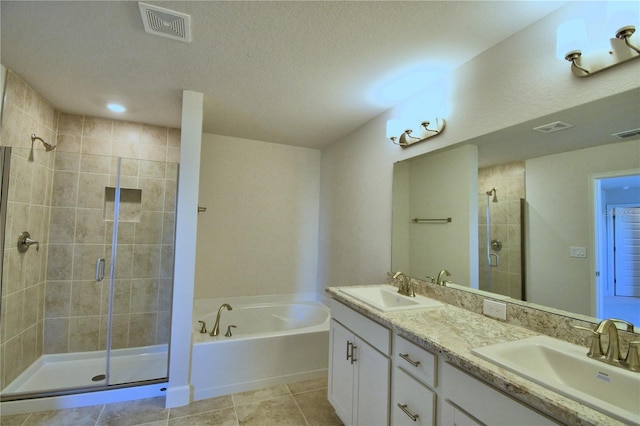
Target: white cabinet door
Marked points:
341	378
372	369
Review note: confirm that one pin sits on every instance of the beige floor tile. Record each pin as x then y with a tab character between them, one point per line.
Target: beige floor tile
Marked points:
202	406
316	408
225	417
308	385
134	412
72	417
273	412
260	395
13	419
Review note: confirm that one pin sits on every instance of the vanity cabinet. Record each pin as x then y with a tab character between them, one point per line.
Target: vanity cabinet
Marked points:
468	401
359	368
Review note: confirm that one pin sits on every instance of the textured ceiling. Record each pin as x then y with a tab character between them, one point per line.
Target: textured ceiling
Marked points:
299	73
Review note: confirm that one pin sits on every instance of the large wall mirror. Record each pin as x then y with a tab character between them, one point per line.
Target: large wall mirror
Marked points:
548	216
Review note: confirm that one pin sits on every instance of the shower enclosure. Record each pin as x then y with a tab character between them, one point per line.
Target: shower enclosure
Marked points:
86	296
501	251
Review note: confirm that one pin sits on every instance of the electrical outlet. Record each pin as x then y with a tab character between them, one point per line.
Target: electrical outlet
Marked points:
494	309
578	252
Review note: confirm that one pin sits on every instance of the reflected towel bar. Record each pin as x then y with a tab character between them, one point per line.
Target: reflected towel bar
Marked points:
417	220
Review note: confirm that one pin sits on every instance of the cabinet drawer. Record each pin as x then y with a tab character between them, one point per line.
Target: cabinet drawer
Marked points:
484	403
375	334
416	360
413	402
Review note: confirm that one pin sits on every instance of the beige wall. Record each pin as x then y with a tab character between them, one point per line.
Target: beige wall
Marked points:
260	231
437	186
560	216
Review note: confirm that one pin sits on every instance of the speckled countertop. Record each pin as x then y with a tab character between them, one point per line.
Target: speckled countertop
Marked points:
452	332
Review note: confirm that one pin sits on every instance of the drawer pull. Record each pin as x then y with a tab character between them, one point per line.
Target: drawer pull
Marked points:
349	345
404	408
409	360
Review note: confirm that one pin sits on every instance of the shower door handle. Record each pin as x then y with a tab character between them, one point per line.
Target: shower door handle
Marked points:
100	269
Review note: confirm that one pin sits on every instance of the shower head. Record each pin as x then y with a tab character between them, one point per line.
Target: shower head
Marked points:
495	196
47	146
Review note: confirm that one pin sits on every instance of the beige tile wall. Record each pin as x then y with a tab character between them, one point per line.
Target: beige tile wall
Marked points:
28	207
50	300
508	179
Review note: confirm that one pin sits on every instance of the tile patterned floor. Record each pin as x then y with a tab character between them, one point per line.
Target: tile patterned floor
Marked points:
296	404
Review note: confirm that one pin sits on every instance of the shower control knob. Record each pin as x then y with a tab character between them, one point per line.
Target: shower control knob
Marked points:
496	245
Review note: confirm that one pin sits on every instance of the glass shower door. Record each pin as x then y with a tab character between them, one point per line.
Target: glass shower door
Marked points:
66	328
143	278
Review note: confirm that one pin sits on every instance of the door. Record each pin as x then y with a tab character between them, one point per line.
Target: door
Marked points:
626	251
372	385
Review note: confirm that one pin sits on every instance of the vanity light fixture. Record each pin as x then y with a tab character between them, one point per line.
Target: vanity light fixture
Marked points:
572	38
406	137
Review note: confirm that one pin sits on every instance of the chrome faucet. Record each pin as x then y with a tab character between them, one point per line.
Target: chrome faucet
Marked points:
405	286
216	326
439	280
612	355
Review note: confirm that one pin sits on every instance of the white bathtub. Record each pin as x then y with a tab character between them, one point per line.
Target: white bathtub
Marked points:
278	339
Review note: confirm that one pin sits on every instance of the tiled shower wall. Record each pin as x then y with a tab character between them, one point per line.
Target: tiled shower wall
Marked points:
81	233
28	207
508	179
58	307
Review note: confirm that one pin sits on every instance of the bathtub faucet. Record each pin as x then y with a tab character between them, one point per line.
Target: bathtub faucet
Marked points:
216	326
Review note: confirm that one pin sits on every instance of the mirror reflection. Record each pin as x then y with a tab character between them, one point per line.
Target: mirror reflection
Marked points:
549	218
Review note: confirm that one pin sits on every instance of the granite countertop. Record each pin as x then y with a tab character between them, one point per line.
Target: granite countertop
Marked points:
452	332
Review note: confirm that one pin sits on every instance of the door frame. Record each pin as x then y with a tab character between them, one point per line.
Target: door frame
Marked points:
599	261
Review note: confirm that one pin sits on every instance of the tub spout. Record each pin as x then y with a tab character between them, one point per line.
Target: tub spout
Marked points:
216	326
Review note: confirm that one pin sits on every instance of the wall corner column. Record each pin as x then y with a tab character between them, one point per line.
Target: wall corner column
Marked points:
179	389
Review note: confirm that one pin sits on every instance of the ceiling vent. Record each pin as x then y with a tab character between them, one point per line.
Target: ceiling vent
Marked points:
627	134
164	22
553	127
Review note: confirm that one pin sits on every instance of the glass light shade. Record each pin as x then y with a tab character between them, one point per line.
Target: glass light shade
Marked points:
571	35
620	14
393	128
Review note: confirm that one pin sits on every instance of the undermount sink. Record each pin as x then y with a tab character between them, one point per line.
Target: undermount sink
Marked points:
566	369
385	297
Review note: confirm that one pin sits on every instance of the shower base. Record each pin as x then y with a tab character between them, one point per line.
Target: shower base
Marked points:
79	370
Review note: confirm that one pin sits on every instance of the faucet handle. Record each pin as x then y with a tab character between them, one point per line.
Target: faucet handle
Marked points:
632	362
228	333
203	329
595	350
430	279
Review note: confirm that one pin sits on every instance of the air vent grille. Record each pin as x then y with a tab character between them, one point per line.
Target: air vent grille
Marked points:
627	134
556	126
165	22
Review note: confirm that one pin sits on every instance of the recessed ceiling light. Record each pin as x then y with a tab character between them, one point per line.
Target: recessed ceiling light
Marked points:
116	108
